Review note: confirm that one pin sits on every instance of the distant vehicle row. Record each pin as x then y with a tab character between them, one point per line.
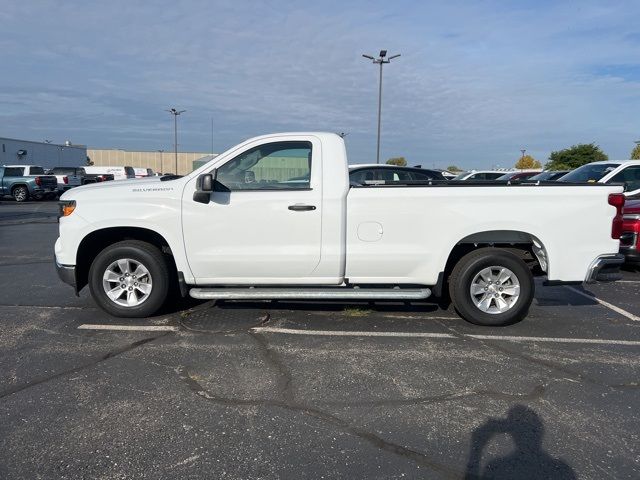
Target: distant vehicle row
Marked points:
24	182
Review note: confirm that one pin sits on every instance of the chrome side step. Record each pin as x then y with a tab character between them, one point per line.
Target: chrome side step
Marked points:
266	293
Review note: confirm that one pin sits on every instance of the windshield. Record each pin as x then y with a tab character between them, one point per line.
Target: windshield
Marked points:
591	172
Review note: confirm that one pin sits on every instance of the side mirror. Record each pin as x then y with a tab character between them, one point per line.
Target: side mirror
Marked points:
204	187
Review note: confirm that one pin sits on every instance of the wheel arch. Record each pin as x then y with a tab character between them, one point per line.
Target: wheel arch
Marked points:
523	244
96	241
16	185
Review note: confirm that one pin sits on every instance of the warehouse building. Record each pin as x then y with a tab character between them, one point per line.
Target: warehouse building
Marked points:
44	154
158	161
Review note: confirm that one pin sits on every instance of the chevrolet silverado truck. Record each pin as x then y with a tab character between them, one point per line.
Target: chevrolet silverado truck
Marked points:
276	218
26	181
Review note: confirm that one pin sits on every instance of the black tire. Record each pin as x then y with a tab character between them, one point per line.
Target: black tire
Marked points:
143	253
20	193
471	265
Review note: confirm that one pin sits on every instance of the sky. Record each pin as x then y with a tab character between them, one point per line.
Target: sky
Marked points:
477	80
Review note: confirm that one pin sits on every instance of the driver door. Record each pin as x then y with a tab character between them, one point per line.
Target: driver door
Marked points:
262	224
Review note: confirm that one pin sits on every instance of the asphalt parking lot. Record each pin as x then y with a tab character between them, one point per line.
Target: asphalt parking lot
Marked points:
300	390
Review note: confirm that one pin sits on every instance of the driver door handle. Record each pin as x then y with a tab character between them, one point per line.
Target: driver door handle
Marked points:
299	207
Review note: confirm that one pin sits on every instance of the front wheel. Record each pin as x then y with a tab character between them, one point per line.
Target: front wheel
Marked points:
491	287
129	279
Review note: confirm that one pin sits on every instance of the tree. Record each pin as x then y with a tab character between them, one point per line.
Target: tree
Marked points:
635	153
89	162
453	168
527	162
575	156
399	161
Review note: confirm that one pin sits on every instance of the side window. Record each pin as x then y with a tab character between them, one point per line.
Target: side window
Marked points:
13	172
362	176
630	176
422	176
272	166
392	175
492	176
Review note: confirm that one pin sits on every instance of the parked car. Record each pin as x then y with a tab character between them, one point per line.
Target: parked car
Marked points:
23	182
626	172
366	174
549	175
68	177
630	238
446	174
119	173
479	175
221	233
519	175
143	172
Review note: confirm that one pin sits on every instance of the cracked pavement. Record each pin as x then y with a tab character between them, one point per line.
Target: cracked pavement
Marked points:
221	399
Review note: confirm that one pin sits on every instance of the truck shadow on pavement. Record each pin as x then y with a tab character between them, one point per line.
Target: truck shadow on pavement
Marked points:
527	460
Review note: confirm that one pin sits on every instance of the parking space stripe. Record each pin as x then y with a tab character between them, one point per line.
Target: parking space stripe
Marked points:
342	333
610	306
599	341
130	328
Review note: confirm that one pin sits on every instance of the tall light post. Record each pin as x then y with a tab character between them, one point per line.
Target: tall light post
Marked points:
381	60
161	165
175	114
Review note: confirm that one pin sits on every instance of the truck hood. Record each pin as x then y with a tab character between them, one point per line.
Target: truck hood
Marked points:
121	187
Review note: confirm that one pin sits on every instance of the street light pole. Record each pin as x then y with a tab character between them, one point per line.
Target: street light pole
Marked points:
175	114
381	60
161	163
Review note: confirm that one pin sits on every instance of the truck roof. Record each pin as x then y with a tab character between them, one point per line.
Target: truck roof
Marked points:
22	166
621	162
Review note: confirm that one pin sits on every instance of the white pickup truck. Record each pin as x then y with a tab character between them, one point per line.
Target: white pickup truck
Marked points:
276	218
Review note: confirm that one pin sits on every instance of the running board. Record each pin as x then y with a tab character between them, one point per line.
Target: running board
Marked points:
310	293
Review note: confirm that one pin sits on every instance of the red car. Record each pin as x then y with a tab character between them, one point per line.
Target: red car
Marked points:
630	238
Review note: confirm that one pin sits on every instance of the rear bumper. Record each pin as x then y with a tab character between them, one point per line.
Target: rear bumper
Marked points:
629	246
605	268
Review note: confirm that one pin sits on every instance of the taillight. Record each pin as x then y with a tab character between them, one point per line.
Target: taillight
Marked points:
100	178
38	181
617	200
65	180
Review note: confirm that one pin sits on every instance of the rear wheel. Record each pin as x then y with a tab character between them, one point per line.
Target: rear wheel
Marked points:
129	279
20	193
491	287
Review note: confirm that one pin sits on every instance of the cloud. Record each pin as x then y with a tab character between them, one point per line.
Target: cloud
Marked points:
476	81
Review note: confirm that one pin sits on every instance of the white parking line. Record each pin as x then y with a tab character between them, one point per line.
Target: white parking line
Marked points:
619	310
340	333
599	341
130	328
344	333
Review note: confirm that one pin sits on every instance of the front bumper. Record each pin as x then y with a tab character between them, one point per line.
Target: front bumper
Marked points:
605	268
67	274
